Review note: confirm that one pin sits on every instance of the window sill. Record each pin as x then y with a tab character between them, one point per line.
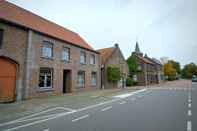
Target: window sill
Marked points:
93	64
48	58
83	63
65	61
44	89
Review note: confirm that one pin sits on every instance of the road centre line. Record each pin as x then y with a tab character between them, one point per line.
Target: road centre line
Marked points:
107	108
189	112
80	118
189	126
68	113
189	105
123	102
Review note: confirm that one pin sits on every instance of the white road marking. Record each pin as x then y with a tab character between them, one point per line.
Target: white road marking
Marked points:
29	117
189	100
123	102
46	130
107	108
189	113
130	94
66	113
80	118
189	105
189	126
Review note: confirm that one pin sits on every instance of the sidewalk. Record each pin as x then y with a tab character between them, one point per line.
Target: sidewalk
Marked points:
73	100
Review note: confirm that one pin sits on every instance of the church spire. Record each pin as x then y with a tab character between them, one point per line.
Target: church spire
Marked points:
137	49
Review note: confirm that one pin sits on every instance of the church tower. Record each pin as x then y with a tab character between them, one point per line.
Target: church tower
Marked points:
137	50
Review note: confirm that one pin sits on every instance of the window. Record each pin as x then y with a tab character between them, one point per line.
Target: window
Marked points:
66	54
45	80
1	37
47	49
94	78
82	57
81	79
92	59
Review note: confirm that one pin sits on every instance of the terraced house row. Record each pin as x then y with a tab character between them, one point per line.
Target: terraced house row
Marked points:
41	58
38	57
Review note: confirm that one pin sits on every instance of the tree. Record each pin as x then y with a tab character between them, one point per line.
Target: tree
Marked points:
176	66
113	73
169	71
189	70
133	66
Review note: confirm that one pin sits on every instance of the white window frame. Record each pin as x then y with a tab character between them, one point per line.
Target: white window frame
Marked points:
80	80
66	57
45	78
47	49
83	57
92	59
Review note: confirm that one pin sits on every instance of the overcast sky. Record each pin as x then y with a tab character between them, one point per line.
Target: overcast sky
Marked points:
162	27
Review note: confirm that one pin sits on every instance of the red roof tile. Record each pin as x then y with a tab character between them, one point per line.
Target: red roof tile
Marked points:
17	15
106	53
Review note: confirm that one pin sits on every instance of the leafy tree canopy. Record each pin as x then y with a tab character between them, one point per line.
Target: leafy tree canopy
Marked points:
132	64
169	71
176	66
189	70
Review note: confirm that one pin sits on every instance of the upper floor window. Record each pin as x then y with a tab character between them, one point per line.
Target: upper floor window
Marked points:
1	37
93	59
66	54
47	49
81	79
82	57
45	79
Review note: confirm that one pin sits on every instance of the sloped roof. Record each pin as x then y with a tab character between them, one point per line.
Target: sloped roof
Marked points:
12	13
145	59
106	53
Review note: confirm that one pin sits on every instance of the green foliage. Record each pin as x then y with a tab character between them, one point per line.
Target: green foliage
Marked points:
132	64
130	82
113	73
169	71
176	66
189	70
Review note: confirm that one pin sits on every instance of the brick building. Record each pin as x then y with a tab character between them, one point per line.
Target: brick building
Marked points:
41	58
150	70
113	56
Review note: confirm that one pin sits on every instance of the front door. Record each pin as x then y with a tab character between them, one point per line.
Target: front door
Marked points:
7	80
66	81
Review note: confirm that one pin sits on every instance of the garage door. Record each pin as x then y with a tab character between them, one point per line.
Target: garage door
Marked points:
7	80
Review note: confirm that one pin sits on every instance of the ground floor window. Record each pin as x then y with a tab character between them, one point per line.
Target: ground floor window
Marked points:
45	79
81	79
94	78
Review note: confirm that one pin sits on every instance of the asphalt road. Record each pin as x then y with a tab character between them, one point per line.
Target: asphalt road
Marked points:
168	109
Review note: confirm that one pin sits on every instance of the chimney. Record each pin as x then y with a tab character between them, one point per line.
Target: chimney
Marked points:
116	45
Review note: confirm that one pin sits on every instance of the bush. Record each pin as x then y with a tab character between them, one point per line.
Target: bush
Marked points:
113	73
130	82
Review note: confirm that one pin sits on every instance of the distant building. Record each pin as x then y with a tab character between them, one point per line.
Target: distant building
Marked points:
150	71
113	56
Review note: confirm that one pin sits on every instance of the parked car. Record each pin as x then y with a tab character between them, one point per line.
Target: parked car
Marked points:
194	78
